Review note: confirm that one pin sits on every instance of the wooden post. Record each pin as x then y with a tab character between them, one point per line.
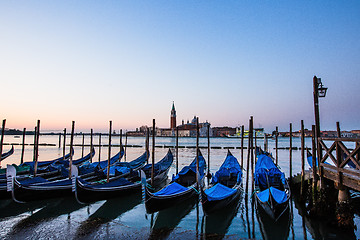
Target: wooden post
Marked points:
148	144
252	152
109	153
290	154
71	147
177	150
37	134
153	154
197	153
126	142
314	163
23	147
82	145
208	168
242	146
34	150
59	140
338	130
2	136
317	126
91	145
248	163
254	146
120	143
276	145
64	144
265	143
302	158
99	147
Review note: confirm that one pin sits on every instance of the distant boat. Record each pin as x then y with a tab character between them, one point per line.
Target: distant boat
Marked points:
225	186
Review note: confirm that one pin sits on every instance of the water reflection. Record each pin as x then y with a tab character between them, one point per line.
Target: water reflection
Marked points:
53	209
9	208
271	229
217	224
110	210
166	220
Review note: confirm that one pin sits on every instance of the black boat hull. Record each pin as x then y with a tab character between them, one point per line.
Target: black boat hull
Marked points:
217	205
87	194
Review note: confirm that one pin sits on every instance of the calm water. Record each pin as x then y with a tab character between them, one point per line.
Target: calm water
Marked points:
127	218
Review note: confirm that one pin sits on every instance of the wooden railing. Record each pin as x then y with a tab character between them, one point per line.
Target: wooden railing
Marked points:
335	164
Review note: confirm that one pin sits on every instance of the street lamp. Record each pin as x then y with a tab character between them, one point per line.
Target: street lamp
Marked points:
321	89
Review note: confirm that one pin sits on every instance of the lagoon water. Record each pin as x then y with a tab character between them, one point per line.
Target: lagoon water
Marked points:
126	218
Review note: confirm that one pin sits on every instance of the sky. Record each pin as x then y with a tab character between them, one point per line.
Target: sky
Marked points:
224	61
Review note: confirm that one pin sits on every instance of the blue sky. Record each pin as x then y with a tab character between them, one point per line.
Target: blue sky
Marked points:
126	61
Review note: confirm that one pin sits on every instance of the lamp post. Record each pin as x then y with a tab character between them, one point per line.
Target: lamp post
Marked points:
319	91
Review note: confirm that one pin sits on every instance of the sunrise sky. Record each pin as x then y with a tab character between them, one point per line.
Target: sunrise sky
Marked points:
127	61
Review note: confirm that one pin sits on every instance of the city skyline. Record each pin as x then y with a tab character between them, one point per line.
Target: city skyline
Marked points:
127	61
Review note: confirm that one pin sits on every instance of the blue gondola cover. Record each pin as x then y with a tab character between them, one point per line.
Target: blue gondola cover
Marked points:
173	188
229	168
266	172
192	167
278	195
218	192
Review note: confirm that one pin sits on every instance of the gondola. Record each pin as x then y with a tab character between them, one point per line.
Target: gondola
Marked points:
39	188
272	192
86	192
28	167
54	170
225	186
182	187
7	154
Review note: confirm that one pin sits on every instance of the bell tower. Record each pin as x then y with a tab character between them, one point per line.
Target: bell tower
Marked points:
173	118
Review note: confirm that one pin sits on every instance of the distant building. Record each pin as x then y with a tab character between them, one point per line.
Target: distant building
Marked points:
223	131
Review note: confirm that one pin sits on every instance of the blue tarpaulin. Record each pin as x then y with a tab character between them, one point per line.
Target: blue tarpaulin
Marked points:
267	173
192	167
278	195
230	167
218	192
173	188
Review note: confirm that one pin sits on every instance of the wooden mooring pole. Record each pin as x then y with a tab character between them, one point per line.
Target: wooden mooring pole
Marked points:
23	146
252	152
242	146
71	147
59	140
147	145
302	158
177	150
99	147
64	144
36	149
208	148
82	145
276	145
91	145
197	154
314	165
153	154
109	152
121	143
248	164
290	154
126	143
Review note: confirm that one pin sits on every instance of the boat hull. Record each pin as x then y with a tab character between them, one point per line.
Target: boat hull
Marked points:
155	203
85	193
217	205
